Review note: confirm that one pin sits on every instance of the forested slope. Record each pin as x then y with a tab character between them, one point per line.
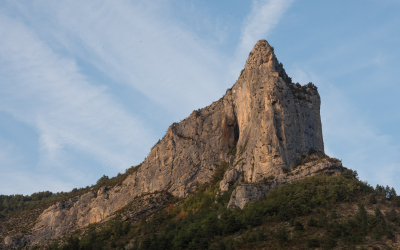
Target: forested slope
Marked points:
338	212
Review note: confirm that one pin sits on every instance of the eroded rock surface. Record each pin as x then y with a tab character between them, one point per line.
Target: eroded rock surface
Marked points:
270	121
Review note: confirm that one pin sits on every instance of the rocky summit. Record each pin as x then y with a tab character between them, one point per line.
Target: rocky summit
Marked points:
265	128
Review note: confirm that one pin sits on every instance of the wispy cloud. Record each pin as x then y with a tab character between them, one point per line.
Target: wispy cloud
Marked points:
50	50
47	59
264	16
47	91
142	46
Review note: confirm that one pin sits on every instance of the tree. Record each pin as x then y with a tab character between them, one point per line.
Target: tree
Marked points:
362	218
379	189
102	179
125	227
387	192
392	194
381	227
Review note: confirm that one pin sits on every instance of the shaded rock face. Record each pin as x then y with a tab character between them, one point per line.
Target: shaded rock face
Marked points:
245	194
267	118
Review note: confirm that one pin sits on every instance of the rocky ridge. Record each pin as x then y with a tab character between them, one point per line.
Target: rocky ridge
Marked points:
261	127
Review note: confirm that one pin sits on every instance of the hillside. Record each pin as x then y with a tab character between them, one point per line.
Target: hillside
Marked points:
247	171
318	212
315	212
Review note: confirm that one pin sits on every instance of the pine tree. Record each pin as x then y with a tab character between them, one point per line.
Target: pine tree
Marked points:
392	194
362	218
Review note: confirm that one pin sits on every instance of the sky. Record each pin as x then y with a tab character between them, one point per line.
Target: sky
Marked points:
88	87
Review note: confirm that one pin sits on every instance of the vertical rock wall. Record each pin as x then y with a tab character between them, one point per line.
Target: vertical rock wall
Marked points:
267	118
277	120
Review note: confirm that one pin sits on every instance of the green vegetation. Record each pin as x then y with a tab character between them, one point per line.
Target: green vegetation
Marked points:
14	203
300	92
201	221
232	151
312	155
242	148
219	173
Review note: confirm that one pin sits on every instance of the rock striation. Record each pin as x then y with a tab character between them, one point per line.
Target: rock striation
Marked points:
278	121
269	120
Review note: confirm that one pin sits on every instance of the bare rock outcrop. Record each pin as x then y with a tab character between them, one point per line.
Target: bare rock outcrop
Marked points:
268	119
229	179
15	241
246	193
278	121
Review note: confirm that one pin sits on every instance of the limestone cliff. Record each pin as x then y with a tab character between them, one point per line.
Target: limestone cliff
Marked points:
268	119
277	120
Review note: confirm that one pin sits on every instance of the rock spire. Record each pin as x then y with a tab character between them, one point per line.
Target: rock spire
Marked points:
265	120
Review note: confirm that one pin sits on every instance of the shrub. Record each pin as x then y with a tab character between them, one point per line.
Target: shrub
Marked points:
396	201
313	242
348	173
282	235
102	180
334	215
390	235
242	148
125	227
312	86
298	226
312	222
286	170
232	151
219	173
330	243
261	236
371	199
392	216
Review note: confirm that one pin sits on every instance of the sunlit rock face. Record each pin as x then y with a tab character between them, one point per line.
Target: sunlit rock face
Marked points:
269	120
277	120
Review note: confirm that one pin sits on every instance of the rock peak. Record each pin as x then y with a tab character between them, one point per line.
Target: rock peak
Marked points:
261	130
262	44
262	54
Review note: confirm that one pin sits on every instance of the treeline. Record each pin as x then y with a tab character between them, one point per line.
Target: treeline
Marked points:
202	221
14	203
18	202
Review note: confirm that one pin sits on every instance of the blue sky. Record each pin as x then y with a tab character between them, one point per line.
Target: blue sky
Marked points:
87	87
